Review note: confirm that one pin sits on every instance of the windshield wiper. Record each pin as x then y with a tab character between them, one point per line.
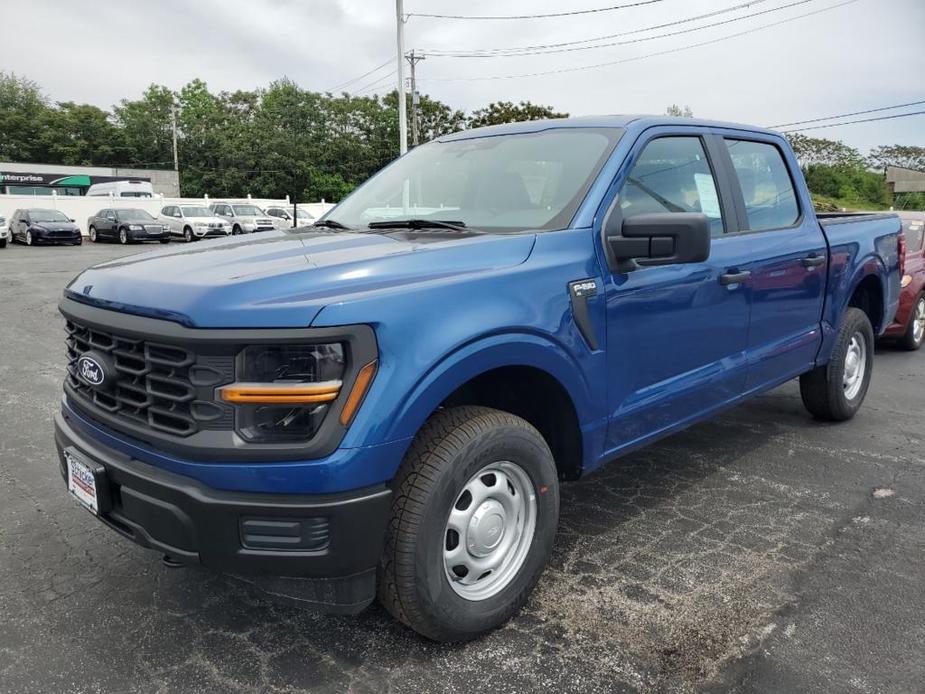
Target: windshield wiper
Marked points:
330	224
420	223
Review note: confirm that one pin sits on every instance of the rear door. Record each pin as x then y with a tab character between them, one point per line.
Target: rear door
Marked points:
109	223
788	270
676	334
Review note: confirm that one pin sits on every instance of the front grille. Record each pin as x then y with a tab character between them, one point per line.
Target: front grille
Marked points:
158	386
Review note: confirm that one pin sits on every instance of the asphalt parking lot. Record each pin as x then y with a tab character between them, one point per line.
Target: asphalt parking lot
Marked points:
761	551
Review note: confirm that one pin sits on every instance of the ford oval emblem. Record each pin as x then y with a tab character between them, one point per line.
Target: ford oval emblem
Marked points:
90	371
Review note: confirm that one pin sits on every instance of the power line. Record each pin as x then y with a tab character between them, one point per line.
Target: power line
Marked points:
357	79
852	122
380	82
631	41
571	13
538	47
669	51
847	115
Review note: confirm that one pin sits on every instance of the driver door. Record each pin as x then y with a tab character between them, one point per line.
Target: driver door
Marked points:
676	334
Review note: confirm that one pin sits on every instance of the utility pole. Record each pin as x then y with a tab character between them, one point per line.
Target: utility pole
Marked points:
402	116
173	127
415	100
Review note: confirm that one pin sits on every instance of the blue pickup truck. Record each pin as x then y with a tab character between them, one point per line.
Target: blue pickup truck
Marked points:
384	403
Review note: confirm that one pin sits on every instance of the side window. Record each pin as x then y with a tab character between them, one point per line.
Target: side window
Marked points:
672	175
914	230
770	200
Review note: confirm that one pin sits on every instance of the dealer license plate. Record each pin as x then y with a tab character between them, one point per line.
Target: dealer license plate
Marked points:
81	482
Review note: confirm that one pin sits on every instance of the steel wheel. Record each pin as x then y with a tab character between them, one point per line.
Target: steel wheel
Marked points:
855	366
918	321
489	531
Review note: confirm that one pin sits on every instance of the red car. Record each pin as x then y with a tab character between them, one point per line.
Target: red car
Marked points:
909	325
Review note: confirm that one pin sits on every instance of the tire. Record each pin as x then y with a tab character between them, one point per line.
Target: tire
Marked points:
2	243
123	236
459	449
188	235
236	230
915	331
827	391
165	240
93	237
79	242
28	238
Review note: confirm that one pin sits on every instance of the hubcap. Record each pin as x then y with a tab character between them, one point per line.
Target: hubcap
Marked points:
122	236
489	531
918	321
855	366
93	234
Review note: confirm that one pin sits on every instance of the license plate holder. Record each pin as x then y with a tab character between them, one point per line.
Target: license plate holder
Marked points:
86	481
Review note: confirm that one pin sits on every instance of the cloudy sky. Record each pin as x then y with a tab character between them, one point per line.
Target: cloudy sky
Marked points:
859	55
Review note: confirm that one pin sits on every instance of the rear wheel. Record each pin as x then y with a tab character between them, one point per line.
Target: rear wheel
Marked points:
835	391
92	233
473	521
915	331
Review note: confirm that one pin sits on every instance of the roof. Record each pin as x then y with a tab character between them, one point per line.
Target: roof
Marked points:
634	122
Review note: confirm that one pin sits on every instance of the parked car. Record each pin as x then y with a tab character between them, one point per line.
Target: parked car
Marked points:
193	222
385	403
282	216
127	226
244	218
908	328
4	232
122	189
36	225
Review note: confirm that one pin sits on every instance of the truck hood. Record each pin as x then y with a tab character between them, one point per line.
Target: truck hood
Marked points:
283	279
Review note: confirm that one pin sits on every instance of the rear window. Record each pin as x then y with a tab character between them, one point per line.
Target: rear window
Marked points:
914	229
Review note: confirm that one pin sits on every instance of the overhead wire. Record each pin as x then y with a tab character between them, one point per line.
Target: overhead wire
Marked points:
848	115
570	13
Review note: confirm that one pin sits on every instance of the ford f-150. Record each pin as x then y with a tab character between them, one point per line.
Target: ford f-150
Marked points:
384	403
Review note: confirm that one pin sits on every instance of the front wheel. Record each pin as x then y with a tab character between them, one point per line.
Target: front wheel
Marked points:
28	238
473	521
123	236
188	235
92	232
835	391
915	331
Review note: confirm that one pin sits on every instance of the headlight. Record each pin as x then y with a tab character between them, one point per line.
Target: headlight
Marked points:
284	391
135	227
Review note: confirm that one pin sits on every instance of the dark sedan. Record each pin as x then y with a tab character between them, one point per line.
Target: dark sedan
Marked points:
34	226
127	226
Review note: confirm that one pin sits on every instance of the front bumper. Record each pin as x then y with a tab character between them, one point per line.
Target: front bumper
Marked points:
320	550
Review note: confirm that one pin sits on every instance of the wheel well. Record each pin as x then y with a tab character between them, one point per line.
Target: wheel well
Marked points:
535	396
868	296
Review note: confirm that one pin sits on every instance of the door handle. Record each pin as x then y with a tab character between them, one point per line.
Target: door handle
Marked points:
734	277
813	261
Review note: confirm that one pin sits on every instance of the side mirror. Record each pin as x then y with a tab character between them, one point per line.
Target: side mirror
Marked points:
664	238
72	220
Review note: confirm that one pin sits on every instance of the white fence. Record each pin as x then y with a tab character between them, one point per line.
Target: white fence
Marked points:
80	207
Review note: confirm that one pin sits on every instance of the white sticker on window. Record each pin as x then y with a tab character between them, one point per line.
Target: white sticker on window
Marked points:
706	190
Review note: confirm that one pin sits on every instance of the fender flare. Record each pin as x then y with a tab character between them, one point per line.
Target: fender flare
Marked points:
480	356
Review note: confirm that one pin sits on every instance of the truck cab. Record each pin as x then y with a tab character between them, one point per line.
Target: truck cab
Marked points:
384	404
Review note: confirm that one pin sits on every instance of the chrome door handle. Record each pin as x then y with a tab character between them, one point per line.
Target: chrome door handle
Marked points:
813	261
734	277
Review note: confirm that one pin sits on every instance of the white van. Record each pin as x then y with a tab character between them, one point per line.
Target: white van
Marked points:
122	189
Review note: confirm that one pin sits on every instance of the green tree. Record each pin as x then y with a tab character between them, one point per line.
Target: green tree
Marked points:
679	112
145	126
818	150
81	135
506	112
906	156
23	113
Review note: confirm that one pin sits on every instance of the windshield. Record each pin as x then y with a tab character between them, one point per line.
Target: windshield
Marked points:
134	195
194	211
303	214
47	216
505	182
246	211
135	216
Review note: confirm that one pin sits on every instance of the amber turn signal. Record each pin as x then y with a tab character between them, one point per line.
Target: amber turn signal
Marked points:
280	393
360	386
